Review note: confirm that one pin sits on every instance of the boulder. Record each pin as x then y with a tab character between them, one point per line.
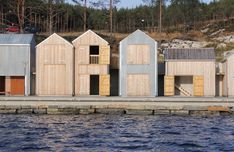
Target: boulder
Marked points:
221	46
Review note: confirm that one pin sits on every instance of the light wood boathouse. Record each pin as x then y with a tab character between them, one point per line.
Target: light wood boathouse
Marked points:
227	70
189	72
54	67
92	60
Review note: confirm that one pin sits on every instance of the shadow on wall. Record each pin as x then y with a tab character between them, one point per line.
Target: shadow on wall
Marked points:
114	82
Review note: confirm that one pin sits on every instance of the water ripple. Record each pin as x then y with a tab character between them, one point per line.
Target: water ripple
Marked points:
116	133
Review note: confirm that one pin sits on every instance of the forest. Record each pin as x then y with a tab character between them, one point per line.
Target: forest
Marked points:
78	15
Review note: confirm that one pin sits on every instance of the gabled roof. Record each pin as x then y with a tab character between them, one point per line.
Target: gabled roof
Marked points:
57	36
16	38
138	34
89	32
185	54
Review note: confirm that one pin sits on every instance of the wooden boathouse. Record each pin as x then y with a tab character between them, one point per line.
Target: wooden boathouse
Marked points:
138	65
17	64
92	60
228	74
189	72
54	67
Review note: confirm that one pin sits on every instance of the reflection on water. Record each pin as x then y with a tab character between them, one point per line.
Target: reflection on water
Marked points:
115	133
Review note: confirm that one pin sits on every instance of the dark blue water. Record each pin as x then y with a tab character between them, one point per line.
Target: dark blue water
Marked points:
116	133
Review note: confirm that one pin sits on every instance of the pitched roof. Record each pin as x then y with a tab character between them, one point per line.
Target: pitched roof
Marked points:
89	32
138	34
57	36
16	38
184	54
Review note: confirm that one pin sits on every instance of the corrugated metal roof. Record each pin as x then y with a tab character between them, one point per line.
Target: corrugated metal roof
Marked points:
196	54
16	38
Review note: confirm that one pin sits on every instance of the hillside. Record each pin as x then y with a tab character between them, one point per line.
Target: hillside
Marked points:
219	35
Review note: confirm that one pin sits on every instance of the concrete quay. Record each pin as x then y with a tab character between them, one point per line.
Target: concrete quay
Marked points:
117	105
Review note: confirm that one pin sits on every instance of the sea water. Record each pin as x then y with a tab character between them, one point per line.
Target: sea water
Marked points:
110	133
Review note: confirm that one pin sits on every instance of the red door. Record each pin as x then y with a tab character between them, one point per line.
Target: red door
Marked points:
17	85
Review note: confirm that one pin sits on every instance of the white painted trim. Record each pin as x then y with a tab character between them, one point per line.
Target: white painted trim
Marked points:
87	33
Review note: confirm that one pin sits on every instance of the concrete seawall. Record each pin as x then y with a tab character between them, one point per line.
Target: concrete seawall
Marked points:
117	105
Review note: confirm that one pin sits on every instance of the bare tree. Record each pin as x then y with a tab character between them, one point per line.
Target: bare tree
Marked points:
20	13
160	16
102	3
84	12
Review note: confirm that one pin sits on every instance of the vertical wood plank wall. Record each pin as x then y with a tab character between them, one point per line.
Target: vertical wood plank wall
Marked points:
54	67
83	68
138	85
169	85
138	54
193	68
104	86
8	84
225	81
198	86
228	81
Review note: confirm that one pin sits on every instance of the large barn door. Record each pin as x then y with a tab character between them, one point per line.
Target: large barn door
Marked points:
169	85
54	80
104	85
17	85
104	55
198	85
138	85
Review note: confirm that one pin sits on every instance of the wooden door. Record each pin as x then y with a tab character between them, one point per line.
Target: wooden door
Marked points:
54	80
169	85
138	85
104	55
198	86
104	85
17	85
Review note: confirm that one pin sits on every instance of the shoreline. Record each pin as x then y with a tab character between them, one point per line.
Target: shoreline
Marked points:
204	106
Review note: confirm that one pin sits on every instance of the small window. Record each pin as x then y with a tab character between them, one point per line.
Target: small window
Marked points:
94	50
94	54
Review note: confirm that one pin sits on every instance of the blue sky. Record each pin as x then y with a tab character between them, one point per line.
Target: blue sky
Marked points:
134	3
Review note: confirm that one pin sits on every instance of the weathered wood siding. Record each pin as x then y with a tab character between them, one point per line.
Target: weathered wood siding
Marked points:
198	86
138	85
104	85
169	85
54	67
93	69
83	68
138	54
194	68
225	82
228	85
